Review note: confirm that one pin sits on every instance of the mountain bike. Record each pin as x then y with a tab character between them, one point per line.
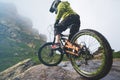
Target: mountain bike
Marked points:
88	51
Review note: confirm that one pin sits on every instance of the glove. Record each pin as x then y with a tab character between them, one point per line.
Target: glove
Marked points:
56	22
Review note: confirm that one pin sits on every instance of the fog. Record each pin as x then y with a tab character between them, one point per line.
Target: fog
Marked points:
101	15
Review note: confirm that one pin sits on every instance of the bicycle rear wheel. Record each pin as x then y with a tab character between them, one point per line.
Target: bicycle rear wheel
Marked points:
49	56
95	58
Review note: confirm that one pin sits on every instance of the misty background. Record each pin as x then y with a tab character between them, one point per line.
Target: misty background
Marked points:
101	15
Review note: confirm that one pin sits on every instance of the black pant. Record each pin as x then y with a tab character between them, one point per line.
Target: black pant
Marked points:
72	22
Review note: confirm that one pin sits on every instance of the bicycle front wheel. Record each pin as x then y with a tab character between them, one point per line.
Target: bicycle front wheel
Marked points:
49	56
95	58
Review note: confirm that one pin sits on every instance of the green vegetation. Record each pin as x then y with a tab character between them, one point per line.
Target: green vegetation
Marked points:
12	52
116	54
18	40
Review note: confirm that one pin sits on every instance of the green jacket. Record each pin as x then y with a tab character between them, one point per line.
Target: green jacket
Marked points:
64	10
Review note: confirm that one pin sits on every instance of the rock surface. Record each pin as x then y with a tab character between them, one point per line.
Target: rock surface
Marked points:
41	72
63	71
15	70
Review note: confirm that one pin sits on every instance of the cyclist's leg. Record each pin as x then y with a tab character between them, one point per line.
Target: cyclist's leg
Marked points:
74	28
58	30
63	25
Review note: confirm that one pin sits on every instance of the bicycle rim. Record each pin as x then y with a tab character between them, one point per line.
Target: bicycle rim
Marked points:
92	61
48	56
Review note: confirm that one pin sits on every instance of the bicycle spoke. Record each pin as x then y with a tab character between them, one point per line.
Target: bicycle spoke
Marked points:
95	56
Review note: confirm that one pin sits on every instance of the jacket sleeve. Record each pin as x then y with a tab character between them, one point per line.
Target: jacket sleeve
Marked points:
61	9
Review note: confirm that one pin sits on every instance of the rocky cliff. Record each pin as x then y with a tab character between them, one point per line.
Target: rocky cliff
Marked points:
25	70
16	69
18	39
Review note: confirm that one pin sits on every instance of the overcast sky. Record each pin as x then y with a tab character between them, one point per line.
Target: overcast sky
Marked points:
101	15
